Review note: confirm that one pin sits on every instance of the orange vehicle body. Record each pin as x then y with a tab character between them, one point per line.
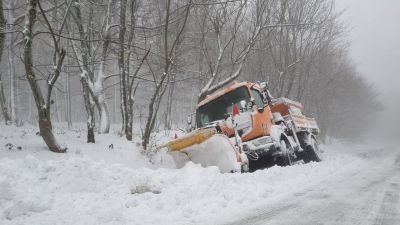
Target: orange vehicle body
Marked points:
262	120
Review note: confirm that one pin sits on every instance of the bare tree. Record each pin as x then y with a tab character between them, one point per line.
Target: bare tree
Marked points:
14	19
42	104
227	24
92	80
82	56
67	90
169	58
122	69
174	73
97	86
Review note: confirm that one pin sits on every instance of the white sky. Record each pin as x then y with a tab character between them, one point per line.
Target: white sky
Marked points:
375	48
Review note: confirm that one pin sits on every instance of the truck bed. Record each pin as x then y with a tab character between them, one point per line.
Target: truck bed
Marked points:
293	111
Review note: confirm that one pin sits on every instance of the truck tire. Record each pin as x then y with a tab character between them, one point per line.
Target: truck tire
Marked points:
287	157
312	152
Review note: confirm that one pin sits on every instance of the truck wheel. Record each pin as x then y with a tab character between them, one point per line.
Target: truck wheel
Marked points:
312	152
287	157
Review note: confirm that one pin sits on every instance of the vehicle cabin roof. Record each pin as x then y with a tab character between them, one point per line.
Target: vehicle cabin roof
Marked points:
223	91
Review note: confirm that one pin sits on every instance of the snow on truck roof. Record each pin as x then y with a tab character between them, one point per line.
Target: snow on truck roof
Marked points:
223	91
236	85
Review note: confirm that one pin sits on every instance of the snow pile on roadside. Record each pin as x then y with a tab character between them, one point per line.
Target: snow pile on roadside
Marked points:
84	191
17	142
99	184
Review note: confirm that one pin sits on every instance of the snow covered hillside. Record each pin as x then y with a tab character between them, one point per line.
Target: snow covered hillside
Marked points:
111	182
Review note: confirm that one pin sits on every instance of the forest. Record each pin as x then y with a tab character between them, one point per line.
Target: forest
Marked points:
144	65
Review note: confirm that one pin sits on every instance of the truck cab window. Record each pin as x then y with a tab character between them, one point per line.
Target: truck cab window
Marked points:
221	106
258	99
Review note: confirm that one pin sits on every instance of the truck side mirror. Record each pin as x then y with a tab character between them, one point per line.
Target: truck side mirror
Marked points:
253	103
249	105
226	116
243	104
189	123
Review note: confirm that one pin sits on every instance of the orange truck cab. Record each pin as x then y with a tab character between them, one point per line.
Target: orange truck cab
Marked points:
218	107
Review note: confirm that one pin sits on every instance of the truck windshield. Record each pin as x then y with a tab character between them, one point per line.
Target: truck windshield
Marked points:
218	108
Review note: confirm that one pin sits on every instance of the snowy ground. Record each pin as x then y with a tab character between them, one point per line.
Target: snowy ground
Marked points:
94	184
366	195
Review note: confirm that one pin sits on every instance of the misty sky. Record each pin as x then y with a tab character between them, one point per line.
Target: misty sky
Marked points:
375	48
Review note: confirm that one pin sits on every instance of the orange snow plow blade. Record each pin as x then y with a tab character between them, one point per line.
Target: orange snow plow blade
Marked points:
207	148
195	137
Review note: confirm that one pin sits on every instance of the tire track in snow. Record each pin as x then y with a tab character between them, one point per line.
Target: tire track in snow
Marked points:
354	199
390	205
388	213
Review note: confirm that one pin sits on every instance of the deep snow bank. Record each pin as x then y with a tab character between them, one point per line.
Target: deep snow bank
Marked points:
94	185
17	142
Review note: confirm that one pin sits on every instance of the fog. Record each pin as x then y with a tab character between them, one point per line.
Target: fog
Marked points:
375	48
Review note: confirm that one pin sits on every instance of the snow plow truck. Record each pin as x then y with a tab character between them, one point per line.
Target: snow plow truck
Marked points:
243	128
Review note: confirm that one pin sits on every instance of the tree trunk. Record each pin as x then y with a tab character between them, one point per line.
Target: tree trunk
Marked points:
67	96
57	106
3	103
168	116
104	127
68	116
89	107
46	131
128	128
122	69
153	108
13	108
6	115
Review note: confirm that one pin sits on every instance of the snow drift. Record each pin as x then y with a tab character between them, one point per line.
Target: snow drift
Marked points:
83	188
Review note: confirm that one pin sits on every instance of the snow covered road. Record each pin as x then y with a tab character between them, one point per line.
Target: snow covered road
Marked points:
367	195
